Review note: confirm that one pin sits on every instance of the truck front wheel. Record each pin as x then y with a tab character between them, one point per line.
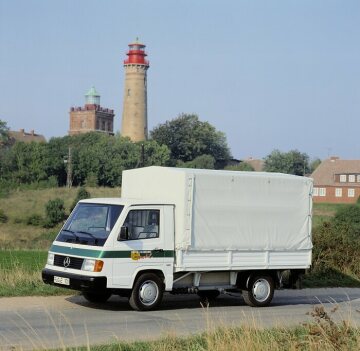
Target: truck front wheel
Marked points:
147	292
260	291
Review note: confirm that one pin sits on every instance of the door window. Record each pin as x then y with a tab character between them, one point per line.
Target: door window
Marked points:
143	224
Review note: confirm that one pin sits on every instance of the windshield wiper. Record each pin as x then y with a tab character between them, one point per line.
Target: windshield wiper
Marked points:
92	235
71	232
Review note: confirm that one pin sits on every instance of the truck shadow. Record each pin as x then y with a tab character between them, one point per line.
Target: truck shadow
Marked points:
281	298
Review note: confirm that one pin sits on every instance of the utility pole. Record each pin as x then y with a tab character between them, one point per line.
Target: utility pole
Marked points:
142	155
69	169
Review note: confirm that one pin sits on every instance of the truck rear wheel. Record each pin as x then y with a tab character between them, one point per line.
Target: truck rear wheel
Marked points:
97	297
147	292
260	291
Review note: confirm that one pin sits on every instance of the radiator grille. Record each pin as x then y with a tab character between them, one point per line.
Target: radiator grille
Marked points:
68	261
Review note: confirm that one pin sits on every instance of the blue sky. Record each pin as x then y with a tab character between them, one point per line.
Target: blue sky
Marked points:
270	74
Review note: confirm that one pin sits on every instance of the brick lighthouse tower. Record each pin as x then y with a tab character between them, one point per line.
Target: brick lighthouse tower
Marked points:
134	117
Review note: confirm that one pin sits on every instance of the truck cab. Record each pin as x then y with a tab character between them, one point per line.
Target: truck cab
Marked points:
106	245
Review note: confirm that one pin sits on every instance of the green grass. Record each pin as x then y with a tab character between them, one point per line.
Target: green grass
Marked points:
20	204
20	274
323	212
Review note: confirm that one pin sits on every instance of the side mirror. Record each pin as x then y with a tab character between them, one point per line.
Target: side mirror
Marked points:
124	234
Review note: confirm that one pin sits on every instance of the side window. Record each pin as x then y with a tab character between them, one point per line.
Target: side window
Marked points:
143	224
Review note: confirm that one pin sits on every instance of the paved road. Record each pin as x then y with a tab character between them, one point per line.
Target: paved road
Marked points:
48	322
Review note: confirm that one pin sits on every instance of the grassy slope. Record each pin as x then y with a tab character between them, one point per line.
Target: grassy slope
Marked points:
21	204
23	248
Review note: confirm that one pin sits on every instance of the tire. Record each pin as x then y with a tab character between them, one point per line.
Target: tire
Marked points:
97	297
260	291
147	292
208	295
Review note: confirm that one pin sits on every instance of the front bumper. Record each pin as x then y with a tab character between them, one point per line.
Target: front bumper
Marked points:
77	281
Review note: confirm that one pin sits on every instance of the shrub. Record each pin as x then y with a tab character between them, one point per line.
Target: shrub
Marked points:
82	194
337	245
243	166
3	217
203	161
349	216
18	220
55	212
35	220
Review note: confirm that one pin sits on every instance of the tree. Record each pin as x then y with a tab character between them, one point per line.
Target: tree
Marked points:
242	166
4	133
96	159
81	194
292	162
315	163
202	162
154	153
55	212
187	138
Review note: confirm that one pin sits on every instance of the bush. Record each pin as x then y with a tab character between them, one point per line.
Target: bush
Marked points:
242	166
18	220
202	162
3	217
55	212
82	194
35	220
349	216
337	246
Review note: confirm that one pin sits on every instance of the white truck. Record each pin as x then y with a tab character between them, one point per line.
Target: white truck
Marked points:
187	231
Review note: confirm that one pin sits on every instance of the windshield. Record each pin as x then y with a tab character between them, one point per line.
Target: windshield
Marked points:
90	224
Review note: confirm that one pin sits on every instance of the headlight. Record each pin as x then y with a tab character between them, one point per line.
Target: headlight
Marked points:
50	259
92	265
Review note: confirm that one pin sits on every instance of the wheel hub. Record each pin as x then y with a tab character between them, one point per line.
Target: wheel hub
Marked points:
148	292
261	290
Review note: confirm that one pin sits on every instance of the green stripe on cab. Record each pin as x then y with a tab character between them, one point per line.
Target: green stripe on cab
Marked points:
74	251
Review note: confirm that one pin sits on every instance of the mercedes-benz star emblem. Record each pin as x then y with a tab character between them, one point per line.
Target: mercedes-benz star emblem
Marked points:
66	261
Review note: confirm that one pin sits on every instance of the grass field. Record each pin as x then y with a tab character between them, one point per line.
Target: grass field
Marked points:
20	274
323	212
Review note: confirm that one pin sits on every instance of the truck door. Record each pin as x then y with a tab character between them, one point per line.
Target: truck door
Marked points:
146	246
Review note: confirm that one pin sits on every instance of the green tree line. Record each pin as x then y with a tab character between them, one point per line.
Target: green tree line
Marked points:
96	156
99	159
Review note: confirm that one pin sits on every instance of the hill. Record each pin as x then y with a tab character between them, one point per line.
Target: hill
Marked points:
21	205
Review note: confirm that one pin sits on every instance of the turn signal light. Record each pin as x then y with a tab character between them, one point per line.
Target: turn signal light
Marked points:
98	266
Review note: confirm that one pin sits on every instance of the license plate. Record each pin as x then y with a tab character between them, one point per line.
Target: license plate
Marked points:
61	280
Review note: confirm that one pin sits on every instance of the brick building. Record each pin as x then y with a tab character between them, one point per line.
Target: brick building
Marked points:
25	137
92	117
337	181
